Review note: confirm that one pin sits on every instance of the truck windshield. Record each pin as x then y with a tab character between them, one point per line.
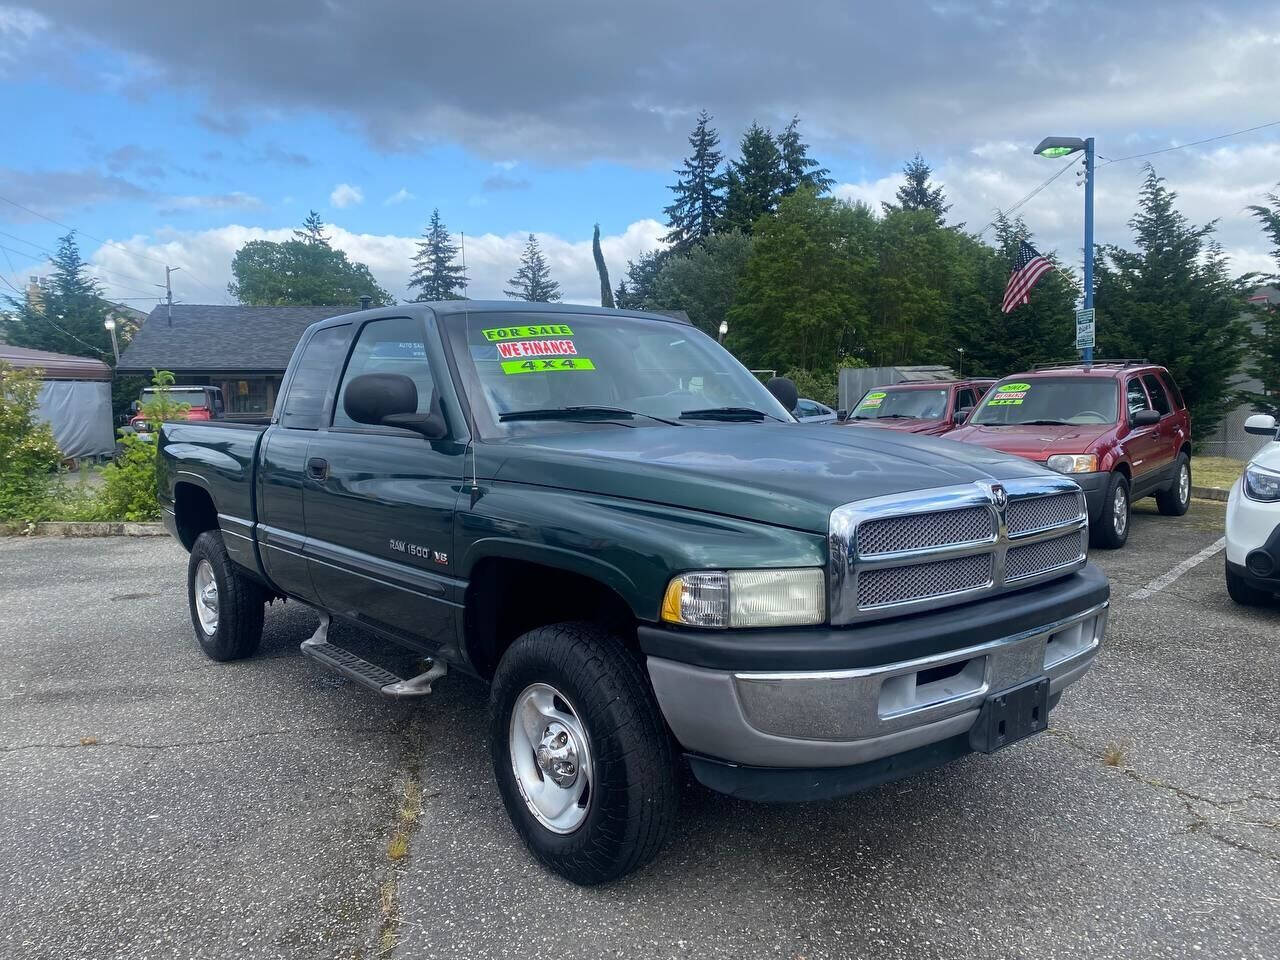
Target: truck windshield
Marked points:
533	363
195	398
881	403
1049	400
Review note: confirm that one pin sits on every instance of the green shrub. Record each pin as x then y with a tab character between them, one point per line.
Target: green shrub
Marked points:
129	487
822	385
29	457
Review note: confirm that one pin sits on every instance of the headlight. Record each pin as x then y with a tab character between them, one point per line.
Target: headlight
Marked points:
747	598
1261	484
1073	463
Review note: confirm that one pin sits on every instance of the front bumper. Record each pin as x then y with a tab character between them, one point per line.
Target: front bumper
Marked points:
1094	486
843	728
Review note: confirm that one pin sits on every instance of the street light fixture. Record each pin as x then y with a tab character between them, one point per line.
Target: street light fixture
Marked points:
1053	148
724	328
110	324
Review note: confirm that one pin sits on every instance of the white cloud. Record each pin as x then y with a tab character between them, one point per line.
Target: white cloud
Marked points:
17	27
345	195
400	196
507	165
219	201
491	258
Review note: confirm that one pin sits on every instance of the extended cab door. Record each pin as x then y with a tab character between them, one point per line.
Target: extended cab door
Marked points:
380	500
282	459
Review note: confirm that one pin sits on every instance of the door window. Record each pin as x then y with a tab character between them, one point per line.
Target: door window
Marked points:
303	406
1159	399
806	409
965	399
1135	396
394	345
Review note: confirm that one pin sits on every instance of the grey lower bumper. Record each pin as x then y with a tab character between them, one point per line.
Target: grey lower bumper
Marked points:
839	718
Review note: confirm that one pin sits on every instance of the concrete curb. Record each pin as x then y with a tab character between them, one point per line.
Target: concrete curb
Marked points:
1210	493
68	529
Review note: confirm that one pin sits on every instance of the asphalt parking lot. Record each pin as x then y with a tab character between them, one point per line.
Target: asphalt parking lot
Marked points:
156	804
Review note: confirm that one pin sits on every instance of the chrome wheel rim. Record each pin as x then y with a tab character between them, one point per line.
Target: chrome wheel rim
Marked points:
206	592
1120	511
551	758
1184	484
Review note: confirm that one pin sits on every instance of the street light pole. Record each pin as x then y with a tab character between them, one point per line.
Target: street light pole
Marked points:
724	328
1088	238
115	346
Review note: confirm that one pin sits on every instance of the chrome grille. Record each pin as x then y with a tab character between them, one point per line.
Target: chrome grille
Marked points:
923	580
922	530
1033	558
1037	513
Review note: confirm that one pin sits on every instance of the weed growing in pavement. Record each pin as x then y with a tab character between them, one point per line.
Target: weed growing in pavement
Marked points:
1115	754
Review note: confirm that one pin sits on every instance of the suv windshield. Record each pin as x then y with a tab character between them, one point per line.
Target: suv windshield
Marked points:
543	365
195	398
1049	400
882	403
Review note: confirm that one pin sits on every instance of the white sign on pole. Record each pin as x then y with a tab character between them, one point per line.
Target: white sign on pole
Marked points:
1084	329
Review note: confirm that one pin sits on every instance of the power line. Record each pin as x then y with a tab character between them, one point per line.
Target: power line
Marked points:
1193	143
88	266
1065	167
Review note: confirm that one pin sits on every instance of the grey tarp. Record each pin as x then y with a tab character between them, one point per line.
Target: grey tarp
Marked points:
79	411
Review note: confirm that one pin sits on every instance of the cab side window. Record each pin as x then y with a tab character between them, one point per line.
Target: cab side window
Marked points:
806	409
393	345
303	406
1135	396
1159	399
966	398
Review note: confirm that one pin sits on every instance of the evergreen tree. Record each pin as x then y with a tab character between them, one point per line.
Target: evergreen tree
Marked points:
699	190
1264	352
755	180
606	295
532	282
635	291
69	313
798	168
436	273
312	230
1172	299
705	281
919	193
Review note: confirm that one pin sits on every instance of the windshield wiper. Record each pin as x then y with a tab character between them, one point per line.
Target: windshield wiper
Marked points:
897	416
1042	423
725	413
584	412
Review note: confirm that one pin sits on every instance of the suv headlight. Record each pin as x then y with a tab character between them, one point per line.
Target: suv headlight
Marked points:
747	598
1261	483
1073	463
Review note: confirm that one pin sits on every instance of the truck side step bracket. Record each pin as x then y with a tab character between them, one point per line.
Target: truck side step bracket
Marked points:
365	673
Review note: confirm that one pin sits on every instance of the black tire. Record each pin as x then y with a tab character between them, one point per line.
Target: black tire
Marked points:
1243	593
238	628
1112	529
1175	501
633	794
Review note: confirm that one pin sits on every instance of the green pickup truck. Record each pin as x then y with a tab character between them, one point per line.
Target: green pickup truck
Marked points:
606	517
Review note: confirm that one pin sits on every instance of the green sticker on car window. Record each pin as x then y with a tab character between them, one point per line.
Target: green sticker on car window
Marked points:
524	333
872	400
545	366
1009	395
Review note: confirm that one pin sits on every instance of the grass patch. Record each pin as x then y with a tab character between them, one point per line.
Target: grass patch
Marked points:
1115	754
1218	472
88	741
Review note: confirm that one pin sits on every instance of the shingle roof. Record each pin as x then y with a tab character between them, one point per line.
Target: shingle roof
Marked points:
233	338
56	366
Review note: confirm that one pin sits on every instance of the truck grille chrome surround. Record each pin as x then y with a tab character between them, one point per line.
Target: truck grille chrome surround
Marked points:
892	555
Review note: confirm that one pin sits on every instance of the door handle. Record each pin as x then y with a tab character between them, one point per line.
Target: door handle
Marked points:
317	468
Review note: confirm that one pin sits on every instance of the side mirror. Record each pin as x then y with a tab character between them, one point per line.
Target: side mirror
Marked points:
961	415
1261	425
785	392
1144	418
390	400
842	416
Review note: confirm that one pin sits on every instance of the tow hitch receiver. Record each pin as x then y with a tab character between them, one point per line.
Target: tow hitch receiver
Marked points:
1011	715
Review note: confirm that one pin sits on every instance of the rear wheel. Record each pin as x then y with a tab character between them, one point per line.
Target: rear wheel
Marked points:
226	606
580	753
1175	501
1243	593
1112	529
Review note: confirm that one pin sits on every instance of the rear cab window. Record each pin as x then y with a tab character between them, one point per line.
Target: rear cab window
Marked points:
303	406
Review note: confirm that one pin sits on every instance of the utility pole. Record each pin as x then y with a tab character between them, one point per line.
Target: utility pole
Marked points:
463	235
1053	148
168	292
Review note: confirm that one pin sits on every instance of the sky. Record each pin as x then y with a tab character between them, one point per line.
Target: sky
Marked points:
174	133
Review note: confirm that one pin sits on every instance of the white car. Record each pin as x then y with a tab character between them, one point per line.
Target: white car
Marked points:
1253	521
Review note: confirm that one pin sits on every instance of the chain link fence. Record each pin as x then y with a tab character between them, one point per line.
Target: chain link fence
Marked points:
1229	439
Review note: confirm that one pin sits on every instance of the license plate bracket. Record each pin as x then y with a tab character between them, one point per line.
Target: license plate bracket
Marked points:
1010	715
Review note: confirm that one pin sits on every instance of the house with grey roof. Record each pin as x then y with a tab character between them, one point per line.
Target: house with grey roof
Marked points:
242	349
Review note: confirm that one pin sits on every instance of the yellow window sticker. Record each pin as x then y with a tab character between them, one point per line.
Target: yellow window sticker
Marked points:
547	365
523	333
872	400
1010	395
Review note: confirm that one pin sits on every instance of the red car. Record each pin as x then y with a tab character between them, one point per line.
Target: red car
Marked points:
1119	428
203	403
931	407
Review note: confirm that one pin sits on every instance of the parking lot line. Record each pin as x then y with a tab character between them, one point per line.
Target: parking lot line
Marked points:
1162	581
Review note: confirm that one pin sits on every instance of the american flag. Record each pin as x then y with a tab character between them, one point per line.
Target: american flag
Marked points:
1029	267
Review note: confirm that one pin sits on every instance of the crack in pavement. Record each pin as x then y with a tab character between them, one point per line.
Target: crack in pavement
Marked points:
129	745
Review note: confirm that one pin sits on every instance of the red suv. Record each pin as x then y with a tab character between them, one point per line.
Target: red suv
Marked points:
1119	428
931	407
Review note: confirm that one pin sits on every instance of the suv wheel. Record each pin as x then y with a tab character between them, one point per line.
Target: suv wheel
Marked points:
580	753
1112	529
1175	501
226	606
1243	593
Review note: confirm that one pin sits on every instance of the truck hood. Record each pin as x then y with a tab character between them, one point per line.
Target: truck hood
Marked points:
1032	441
789	475
913	425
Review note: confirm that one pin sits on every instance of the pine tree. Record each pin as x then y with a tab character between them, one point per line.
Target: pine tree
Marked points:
699	192
312	230
1264	352
755	180
436	274
798	168
532	282
606	295
918	193
69	314
636	289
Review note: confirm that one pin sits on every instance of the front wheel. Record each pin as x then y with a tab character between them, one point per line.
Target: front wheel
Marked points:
1175	501
1112	528
580	753
226	606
